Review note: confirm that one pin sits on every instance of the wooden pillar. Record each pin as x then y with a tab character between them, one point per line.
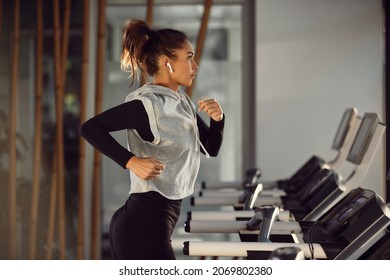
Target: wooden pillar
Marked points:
2	240
201	39
83	104
52	206
60	55
1	16
38	134
58	155
95	223
60	127
149	20
12	132
57	196
149	12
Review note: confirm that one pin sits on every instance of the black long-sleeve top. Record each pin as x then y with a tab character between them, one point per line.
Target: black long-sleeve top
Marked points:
132	115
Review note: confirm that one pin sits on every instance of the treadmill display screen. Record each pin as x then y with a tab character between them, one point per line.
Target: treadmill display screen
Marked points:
363	136
343	128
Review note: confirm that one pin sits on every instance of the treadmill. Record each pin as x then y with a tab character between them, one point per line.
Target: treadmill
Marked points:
322	191
346	232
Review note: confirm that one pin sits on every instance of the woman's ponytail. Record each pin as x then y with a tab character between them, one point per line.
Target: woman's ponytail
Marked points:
134	37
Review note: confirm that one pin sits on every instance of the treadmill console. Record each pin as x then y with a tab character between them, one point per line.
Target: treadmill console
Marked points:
363	137
345	124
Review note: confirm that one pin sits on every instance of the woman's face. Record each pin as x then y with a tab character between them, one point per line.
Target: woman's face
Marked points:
184	66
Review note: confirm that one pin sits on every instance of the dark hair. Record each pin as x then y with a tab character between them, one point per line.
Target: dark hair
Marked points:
142	46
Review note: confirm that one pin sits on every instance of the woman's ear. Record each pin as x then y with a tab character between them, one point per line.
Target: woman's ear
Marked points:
167	64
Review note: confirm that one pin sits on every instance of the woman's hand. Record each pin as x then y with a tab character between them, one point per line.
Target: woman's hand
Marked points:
212	109
146	168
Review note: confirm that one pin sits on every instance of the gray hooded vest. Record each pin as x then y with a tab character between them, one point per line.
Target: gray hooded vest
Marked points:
172	119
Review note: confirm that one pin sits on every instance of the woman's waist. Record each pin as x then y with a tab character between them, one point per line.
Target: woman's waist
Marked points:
153	202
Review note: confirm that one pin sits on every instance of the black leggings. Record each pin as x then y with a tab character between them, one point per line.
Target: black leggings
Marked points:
142	228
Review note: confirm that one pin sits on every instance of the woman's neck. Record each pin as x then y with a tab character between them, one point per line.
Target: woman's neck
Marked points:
165	81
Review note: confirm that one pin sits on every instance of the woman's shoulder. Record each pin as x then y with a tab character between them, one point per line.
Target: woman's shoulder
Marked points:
151	92
134	94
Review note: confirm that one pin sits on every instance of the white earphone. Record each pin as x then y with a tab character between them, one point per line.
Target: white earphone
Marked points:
169	67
